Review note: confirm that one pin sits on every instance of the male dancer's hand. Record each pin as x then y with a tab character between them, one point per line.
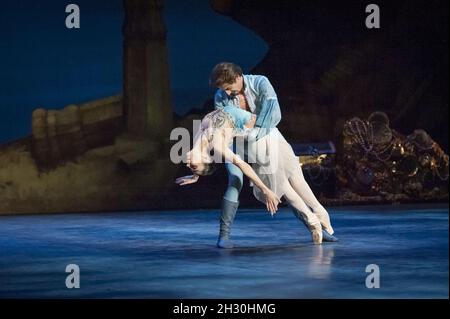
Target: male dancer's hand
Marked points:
185	180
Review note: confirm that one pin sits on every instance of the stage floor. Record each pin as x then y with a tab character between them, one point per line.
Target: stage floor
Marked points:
172	254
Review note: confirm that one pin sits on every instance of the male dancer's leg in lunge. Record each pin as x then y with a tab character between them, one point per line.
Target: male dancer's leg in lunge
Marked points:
230	204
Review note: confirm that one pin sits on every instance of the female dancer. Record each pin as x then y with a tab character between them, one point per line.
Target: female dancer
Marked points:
276	170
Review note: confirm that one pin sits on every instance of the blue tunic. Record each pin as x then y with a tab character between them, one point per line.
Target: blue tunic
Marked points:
239	117
262	101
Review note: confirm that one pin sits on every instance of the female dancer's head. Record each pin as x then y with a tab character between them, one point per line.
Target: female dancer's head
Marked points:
200	162
199	158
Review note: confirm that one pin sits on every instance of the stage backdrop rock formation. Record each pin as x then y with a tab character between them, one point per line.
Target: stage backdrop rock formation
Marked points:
107	154
327	68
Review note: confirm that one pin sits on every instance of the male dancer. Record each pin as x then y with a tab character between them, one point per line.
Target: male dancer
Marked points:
255	94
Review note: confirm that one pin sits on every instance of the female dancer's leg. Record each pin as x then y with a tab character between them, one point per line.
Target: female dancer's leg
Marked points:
302	188
312	221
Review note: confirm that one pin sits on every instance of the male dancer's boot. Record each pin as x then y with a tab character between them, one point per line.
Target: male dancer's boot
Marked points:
229	209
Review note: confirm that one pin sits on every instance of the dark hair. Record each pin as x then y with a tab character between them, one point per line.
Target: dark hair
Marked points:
224	73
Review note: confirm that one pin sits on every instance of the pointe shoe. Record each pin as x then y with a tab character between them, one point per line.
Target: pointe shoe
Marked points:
225	243
316	237
316	234
329	238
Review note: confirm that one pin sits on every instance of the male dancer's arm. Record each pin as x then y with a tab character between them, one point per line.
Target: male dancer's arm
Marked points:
270	113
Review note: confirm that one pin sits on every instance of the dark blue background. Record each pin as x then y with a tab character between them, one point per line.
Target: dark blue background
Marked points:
44	64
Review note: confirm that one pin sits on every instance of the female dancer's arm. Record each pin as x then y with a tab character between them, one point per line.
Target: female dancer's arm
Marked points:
272	200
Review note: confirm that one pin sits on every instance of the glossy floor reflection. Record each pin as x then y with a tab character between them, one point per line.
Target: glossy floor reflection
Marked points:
173	255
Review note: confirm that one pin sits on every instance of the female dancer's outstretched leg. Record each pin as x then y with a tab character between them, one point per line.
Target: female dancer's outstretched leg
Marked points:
311	220
302	188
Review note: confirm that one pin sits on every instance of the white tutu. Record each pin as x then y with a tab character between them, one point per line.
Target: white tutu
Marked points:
274	161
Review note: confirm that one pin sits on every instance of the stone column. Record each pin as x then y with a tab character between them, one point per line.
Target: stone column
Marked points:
147	102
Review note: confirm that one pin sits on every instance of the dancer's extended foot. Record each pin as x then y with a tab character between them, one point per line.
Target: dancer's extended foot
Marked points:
225	243
316	234
329	238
